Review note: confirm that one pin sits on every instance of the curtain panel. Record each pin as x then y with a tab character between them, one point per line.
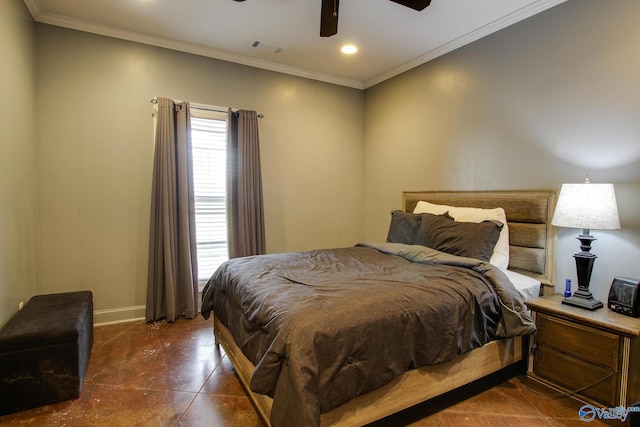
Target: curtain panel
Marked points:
245	211
172	288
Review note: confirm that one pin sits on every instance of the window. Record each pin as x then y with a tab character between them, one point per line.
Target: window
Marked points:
209	141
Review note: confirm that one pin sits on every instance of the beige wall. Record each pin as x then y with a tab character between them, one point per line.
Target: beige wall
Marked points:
95	157
532	106
18	251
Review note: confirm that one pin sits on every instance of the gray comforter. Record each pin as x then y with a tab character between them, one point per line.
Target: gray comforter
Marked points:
324	326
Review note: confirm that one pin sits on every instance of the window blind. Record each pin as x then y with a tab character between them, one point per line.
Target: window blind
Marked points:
209	140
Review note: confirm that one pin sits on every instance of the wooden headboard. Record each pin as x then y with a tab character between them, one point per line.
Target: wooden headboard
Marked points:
532	239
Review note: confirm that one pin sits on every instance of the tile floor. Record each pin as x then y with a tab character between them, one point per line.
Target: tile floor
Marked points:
173	375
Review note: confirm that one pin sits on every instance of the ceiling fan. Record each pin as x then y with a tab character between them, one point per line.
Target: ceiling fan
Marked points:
329	13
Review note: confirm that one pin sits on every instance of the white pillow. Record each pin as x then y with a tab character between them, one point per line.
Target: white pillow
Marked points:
500	256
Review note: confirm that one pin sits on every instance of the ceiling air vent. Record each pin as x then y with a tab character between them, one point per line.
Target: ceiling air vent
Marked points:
267	47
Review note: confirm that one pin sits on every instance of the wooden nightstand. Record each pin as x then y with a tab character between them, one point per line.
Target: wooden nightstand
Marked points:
592	355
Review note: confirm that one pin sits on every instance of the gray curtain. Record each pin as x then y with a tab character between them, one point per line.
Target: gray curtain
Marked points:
245	213
172	289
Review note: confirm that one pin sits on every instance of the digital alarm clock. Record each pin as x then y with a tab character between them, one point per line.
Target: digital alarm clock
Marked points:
623	296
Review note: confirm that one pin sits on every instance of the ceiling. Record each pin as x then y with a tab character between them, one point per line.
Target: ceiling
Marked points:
391	38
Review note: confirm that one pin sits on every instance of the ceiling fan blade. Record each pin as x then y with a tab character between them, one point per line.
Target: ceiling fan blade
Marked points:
414	4
329	18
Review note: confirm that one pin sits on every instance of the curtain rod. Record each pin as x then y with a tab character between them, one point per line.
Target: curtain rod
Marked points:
206	107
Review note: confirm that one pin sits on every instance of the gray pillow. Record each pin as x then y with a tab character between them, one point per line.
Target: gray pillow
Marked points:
403	227
467	239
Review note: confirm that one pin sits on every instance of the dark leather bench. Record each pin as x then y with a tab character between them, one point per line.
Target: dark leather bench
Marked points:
44	351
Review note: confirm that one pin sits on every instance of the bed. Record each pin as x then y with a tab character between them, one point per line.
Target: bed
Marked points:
285	350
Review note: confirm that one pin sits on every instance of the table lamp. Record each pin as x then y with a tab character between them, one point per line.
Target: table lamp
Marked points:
587	206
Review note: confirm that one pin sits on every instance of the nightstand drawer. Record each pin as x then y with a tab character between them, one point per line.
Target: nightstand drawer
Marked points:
576	349
574	374
583	342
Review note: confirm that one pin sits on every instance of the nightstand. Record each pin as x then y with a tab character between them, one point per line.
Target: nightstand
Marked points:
592	355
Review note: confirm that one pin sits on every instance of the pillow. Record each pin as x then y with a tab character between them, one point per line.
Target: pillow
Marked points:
500	255
467	239
403	227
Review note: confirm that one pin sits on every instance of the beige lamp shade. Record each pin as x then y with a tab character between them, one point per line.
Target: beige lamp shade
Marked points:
588	206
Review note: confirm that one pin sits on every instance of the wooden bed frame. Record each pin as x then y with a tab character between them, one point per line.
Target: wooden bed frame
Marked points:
532	252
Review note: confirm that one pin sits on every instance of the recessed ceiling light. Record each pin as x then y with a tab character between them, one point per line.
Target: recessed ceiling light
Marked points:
349	49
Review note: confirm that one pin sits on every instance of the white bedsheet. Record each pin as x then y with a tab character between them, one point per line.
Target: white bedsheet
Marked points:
528	286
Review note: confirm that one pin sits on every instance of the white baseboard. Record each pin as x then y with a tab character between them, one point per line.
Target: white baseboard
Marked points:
118	315
124	314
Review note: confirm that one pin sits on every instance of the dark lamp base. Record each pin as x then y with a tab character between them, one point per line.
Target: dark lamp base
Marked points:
589	303
584	265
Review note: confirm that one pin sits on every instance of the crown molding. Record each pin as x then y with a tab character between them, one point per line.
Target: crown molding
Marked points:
33	8
466	39
105	30
492	27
